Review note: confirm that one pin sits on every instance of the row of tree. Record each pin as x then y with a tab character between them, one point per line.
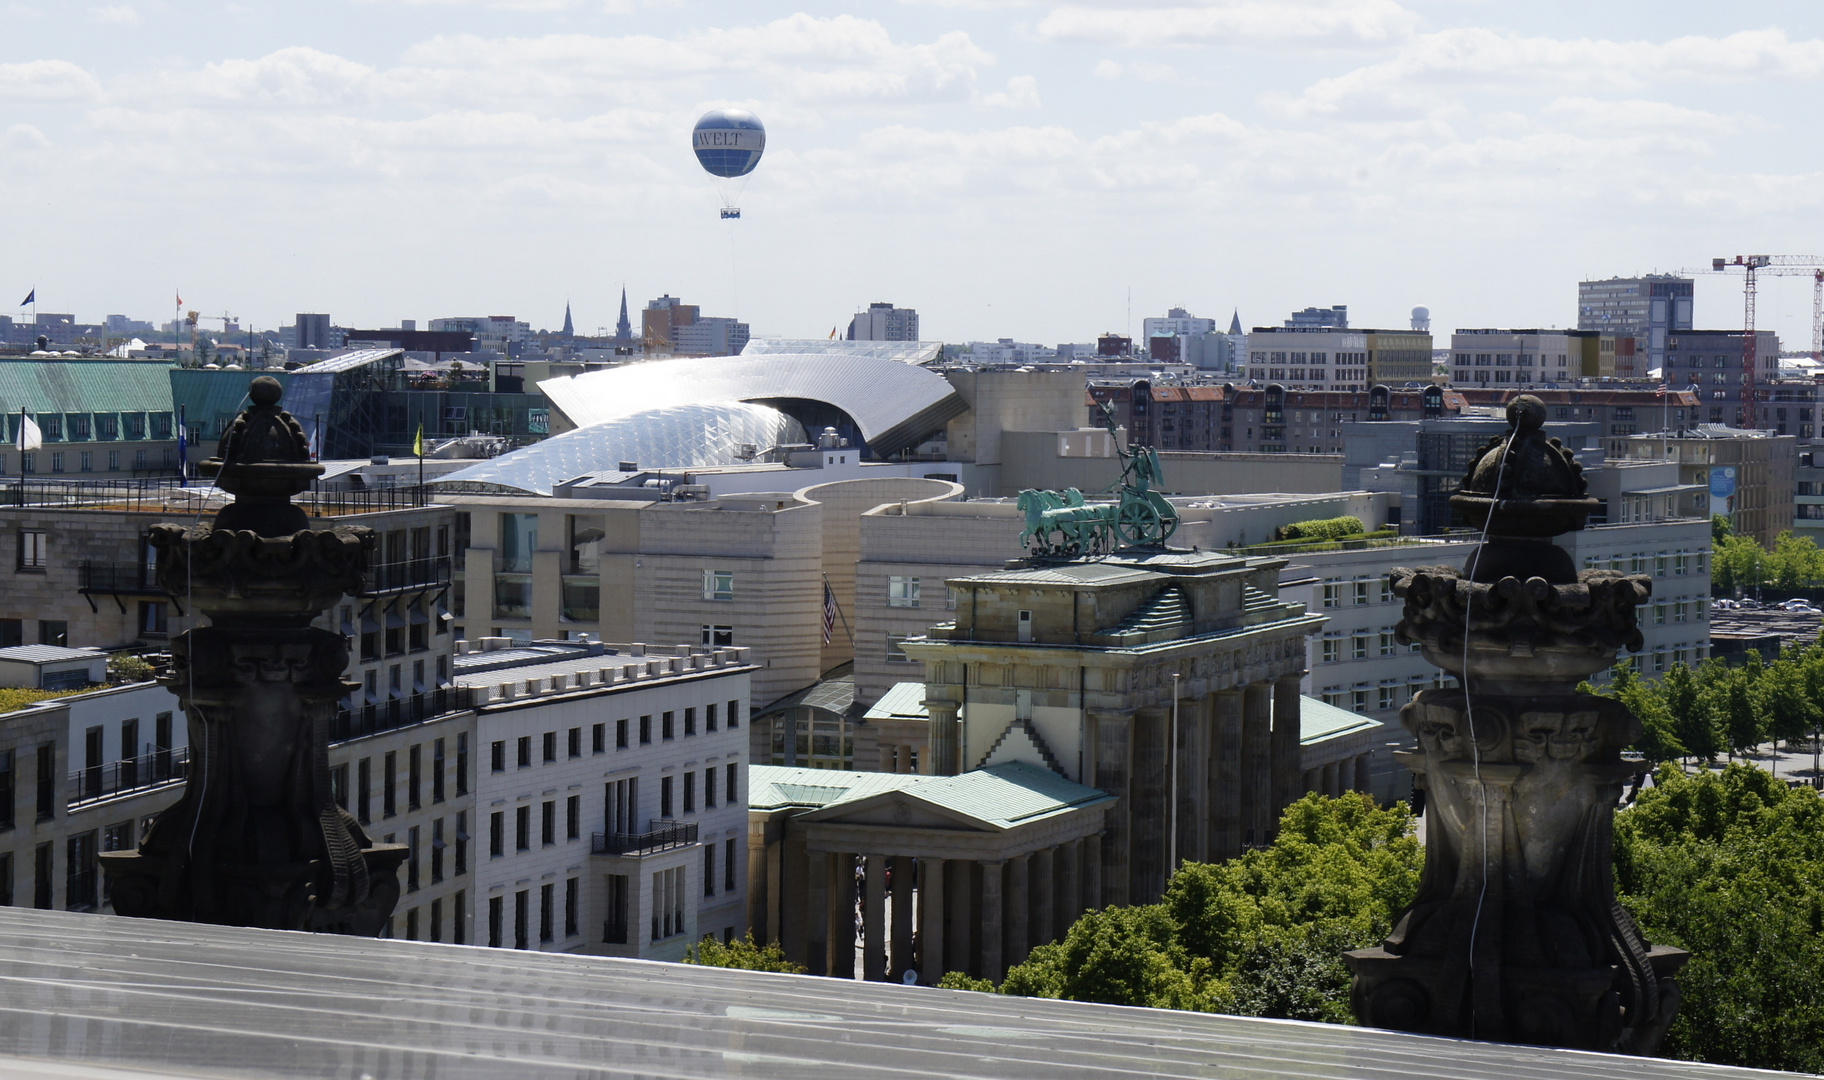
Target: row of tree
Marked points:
1740	564
1715	710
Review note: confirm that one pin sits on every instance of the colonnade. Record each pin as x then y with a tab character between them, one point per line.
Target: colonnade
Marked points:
1237	767
1335	777
980	915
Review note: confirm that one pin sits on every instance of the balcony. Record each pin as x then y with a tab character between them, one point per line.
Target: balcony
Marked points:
128	775
406	575
389	715
660	836
119	579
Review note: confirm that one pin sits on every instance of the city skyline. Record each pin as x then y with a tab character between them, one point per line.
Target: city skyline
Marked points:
1010	170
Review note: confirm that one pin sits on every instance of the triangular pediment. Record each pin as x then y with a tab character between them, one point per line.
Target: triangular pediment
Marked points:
899	809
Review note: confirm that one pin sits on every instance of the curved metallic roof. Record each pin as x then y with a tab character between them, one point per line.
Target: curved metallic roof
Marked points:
672	437
893	404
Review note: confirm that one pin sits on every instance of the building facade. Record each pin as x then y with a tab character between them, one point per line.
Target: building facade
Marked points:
884	322
1649	309
1496	359
614	788
1709	364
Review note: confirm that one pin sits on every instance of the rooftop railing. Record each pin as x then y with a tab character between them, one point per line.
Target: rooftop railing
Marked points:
660	836
406	575
165	495
129	774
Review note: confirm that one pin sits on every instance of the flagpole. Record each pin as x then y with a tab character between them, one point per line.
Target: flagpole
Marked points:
22	449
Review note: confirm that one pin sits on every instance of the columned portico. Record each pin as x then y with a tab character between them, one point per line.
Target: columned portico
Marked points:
1226	789
1286	766
1256	763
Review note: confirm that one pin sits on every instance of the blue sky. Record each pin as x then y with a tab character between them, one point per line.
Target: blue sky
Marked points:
1012	169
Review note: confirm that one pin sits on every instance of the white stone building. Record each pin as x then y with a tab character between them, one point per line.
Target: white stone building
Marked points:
611	796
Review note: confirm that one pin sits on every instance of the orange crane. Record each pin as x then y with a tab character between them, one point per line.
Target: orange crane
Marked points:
1780	265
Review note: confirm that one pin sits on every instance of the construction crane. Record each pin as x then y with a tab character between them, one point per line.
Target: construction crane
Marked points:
1752	267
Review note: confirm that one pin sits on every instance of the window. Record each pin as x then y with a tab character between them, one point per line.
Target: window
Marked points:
665	726
57	456
520	915
570	906
32	551
41	876
497	828
575	742
85	461
546	897
437	771
1361	592
462	846
614	923
525	751
338	786
495	904
895	653
436	920
734	714
718	637
1331	648
709	717
573	817
437	846
665	796
522	829
389	784
718	584
547	823
364	785
709	788
498	756
667	903
728	866
645	730
81	874
414	776
729	795
709	869
690	721
1359	646
902	591
411	859
598	739
1388	645
550	747
153	621
690	793
7	787
620	734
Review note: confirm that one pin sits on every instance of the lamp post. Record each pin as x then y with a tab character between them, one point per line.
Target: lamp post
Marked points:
1171	851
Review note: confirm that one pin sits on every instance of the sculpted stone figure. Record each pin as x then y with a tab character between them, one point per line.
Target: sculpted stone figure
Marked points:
1515	934
257	839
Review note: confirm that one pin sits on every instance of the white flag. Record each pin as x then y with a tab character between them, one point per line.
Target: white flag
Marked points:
30	438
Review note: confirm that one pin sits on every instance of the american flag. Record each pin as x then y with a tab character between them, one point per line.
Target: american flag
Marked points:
829	611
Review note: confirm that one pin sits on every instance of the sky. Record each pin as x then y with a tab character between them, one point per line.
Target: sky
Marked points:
1044	170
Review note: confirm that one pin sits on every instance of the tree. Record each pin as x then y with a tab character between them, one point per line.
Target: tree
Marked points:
1647	701
747	955
1262	935
1728	696
1691	724
1738	564
1784	700
1730	865
1722	527
1794	562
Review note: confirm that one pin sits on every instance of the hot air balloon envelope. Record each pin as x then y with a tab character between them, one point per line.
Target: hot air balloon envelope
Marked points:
729	142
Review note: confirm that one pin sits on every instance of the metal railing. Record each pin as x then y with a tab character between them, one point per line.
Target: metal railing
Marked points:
406	575
165	494
129	774
660	836
388	715
119	579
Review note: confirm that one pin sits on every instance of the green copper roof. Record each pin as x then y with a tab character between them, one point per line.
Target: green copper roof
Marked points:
1001	796
1318	722
42	385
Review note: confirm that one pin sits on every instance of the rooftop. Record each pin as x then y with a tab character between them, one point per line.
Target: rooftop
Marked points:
1000	796
88	997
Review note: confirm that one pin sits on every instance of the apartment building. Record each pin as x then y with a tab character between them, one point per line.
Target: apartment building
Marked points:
1648	309
97	418
1503	358
1757	468
1338	358
1263	420
1620	412
80	775
83	574
1709	363
615	795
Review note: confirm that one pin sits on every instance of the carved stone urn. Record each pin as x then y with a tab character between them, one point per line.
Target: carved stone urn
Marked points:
1515	934
257	838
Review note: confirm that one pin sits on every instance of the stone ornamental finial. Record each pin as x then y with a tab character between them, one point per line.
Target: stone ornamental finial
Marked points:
257	838
1515	934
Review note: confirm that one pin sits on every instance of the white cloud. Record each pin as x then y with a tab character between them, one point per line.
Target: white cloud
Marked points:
114	13
48	82
1022	93
1637	116
1471	59
26	137
1269	23
1138	70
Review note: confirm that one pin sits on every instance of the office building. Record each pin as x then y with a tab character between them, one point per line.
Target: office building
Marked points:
1335	317
99	419
1497	359
614	786
1758	466
884	322
1337	358
1709	364
660	321
709	336
1649	309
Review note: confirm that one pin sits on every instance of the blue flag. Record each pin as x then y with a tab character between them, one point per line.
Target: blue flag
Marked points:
30	298
183	448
